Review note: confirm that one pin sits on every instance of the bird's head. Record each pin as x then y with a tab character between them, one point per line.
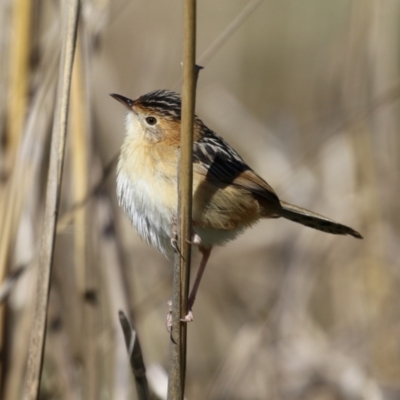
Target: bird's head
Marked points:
155	116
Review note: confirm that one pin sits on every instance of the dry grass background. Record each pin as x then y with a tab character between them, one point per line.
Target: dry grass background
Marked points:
308	93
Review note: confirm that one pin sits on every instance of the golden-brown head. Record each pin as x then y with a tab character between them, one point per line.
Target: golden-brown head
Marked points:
154	116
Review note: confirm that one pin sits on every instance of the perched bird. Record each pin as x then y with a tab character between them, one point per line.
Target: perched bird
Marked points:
228	196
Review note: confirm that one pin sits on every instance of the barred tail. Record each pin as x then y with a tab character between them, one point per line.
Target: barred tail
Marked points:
316	221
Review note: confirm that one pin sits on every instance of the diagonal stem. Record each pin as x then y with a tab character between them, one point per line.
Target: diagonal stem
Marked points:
38	335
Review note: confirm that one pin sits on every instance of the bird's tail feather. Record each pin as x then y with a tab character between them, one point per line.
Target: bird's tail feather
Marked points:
316	221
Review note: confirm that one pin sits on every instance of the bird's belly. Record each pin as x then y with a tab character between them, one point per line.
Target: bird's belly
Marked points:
221	212
150	203
217	237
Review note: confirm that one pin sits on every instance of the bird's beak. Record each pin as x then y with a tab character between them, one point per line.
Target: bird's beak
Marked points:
123	100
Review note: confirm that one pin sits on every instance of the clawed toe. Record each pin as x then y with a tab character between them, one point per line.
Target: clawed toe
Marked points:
174	237
196	240
168	323
174	243
189	317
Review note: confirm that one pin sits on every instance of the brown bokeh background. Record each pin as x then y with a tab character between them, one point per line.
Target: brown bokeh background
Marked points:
307	91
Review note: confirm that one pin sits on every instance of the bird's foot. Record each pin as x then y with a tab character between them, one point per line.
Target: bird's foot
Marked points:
189	317
196	241
174	236
168	323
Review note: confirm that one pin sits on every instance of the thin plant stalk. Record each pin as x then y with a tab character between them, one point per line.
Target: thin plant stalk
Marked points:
19	73
26	172
79	167
80	155
181	281
38	334
18	90
228	32
218	43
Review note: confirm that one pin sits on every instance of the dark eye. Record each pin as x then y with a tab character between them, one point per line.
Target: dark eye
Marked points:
151	120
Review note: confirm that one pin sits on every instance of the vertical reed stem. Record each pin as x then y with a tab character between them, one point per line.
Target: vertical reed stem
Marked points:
176	386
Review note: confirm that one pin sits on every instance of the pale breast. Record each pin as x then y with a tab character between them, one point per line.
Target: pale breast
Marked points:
148	193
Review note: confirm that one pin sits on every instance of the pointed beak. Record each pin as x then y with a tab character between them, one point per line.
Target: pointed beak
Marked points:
123	100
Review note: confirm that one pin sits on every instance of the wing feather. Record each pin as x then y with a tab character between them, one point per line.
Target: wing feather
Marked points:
218	162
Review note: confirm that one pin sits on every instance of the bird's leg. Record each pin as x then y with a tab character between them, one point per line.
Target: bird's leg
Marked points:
174	243
192	297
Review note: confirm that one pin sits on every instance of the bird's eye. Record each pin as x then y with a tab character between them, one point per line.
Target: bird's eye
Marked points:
151	120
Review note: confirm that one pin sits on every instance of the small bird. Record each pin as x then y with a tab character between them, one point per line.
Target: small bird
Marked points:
228	196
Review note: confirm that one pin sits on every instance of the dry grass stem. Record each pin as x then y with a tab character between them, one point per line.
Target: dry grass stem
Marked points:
217	44
181	281
19	74
37	341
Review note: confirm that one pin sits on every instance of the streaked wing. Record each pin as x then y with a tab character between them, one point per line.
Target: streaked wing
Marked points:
218	162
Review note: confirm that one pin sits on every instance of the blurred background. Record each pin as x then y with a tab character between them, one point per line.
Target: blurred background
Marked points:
308	92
